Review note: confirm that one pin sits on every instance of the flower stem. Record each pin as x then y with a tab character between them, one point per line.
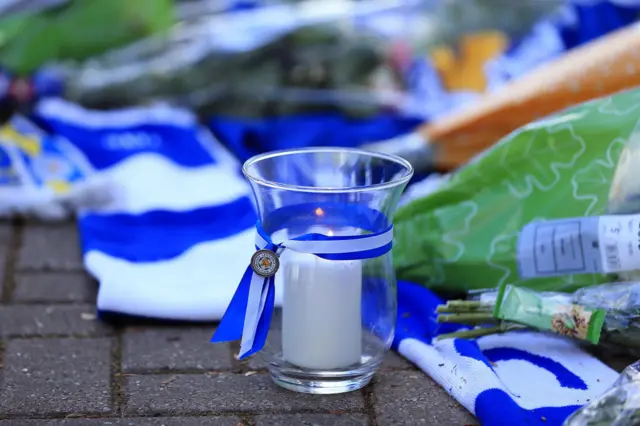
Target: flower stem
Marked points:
468	318
483	331
470	334
446	309
466	304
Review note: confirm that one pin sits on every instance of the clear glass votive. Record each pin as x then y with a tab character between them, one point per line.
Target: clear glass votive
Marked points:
336	318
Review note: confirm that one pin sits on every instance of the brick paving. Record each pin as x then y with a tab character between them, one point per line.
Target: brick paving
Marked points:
59	366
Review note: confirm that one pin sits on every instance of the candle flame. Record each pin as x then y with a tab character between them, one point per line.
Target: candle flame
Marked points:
319	212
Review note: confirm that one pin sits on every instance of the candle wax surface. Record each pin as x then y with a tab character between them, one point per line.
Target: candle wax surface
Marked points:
321	313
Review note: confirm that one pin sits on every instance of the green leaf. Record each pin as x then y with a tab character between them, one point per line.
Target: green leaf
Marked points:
79	30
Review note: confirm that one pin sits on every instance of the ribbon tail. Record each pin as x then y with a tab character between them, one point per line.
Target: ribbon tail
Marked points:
232	322
264	321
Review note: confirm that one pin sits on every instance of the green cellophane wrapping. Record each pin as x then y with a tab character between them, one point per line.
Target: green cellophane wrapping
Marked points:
463	236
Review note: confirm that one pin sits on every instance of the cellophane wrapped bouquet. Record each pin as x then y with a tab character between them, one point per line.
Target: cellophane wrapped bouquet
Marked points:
467	234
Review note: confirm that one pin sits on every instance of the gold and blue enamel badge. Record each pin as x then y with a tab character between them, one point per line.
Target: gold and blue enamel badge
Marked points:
265	263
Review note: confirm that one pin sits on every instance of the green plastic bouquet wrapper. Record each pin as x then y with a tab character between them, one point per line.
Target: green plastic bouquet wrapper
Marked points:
463	236
527	307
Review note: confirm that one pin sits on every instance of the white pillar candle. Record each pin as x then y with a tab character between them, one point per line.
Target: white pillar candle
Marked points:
321	311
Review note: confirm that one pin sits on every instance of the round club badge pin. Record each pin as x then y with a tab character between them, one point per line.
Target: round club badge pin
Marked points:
265	263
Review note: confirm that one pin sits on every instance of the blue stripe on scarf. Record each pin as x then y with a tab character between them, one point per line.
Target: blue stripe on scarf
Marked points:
565	378
106	147
160	235
494	407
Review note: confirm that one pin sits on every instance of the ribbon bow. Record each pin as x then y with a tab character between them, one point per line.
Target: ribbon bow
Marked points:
248	316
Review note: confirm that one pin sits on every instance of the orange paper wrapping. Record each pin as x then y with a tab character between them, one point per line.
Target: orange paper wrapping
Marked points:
604	66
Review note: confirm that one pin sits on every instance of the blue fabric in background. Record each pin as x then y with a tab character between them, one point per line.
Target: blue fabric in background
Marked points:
248	137
595	19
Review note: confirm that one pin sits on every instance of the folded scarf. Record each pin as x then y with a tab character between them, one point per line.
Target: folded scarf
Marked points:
174	240
518	378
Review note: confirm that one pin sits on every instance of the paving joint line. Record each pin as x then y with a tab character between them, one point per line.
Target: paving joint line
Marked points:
11	261
3	357
184	372
247	416
369	403
246	413
118	399
57	336
44	303
49	269
246	420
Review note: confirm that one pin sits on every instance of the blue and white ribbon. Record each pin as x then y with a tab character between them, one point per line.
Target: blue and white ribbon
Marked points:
248	316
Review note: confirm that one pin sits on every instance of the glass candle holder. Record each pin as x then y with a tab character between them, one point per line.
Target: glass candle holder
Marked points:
336	318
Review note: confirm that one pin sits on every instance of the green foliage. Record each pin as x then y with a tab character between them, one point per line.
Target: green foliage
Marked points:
81	29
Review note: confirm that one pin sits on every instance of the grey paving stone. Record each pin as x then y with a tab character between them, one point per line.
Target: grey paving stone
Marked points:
412	398
3	257
6	232
274	340
223	393
54	247
139	421
40	320
395	362
174	349
54	287
256	362
6	235
313	420
44	376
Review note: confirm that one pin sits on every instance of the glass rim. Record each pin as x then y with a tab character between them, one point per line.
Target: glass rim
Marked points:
406	176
